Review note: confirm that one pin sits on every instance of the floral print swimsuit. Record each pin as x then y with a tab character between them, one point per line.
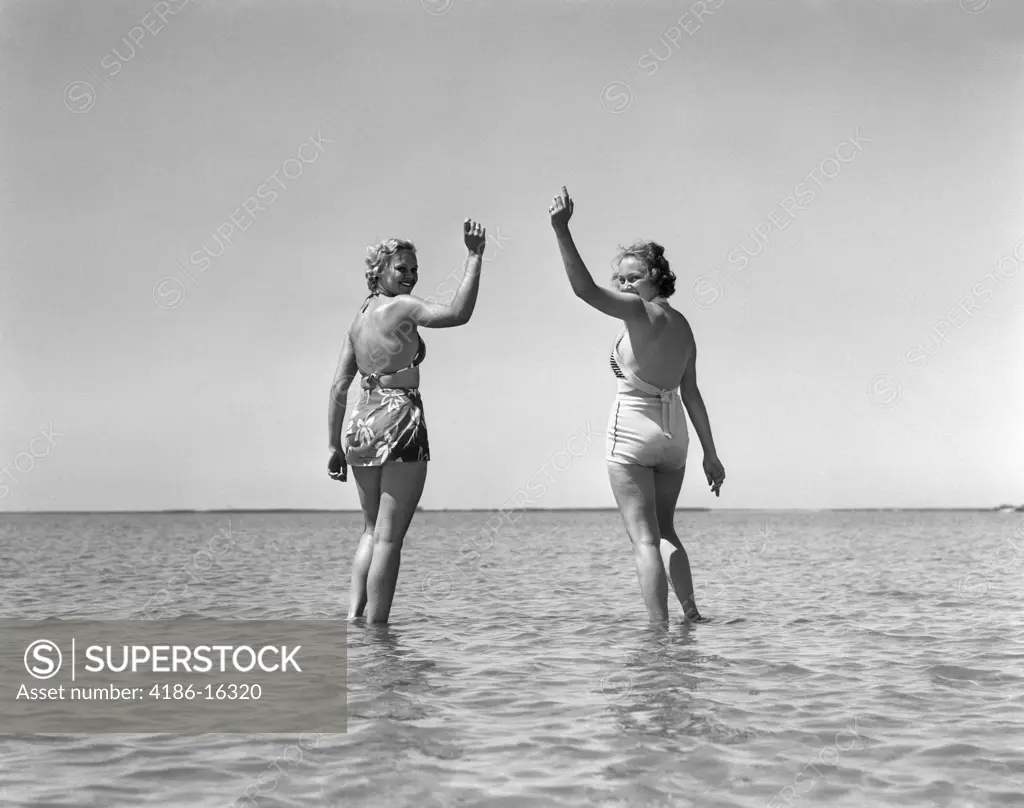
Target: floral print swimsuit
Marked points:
388	424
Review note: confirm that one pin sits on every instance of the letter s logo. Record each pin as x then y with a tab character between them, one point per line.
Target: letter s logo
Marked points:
39	659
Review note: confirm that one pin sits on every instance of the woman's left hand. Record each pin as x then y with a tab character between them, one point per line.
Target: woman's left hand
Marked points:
715	473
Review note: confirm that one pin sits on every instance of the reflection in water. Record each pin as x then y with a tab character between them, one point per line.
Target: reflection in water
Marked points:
662	720
386	674
660	673
399	736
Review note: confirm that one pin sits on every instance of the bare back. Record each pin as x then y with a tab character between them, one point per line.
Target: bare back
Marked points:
659	350
384	340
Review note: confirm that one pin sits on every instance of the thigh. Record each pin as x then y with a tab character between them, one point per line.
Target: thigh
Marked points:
368	485
401	485
666	493
633	487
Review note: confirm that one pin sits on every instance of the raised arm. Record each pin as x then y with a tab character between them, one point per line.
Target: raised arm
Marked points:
438	315
343	376
615	304
694	403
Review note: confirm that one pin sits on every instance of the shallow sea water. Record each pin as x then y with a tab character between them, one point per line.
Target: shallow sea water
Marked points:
850	659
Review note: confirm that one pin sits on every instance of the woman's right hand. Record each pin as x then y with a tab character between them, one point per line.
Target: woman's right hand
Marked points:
475	236
561	208
337	468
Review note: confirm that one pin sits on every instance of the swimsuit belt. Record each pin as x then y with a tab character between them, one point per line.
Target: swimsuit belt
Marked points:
667	411
373	379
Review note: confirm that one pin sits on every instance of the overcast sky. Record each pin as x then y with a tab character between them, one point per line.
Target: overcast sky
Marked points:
835	184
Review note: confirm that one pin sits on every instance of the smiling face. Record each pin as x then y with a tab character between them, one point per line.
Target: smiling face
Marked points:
632	277
401	274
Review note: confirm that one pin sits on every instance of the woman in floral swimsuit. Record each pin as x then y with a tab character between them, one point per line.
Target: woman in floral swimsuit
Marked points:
386	440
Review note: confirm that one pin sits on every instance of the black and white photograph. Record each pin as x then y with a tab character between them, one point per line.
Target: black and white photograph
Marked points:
513	403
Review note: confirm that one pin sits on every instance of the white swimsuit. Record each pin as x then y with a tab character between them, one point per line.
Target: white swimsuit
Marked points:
647	426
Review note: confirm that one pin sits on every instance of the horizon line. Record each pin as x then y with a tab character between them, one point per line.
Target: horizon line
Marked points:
977	509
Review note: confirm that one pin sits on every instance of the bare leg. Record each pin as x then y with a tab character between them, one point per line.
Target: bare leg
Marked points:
633	487
666	489
368	484
401	485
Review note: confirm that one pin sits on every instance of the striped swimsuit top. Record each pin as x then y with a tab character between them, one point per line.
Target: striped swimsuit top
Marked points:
612	360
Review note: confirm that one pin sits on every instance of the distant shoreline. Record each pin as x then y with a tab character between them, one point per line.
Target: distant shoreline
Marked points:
1001	509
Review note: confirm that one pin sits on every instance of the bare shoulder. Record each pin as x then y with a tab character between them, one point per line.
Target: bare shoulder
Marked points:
354	327
684	324
671	318
681	331
659	315
396	309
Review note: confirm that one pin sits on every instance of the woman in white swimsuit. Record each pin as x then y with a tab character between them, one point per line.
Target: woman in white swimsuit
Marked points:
654	355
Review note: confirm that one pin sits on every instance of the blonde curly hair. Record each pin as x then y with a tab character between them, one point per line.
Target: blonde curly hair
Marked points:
378	258
653	257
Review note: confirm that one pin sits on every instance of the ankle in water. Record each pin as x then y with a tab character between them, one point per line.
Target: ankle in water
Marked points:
690	611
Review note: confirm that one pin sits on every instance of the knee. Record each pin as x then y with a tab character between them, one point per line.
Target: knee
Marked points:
384	536
644	538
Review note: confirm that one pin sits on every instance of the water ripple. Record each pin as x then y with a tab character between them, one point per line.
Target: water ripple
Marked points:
851	659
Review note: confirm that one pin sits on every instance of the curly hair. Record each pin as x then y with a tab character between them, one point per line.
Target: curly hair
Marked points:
652	255
378	258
